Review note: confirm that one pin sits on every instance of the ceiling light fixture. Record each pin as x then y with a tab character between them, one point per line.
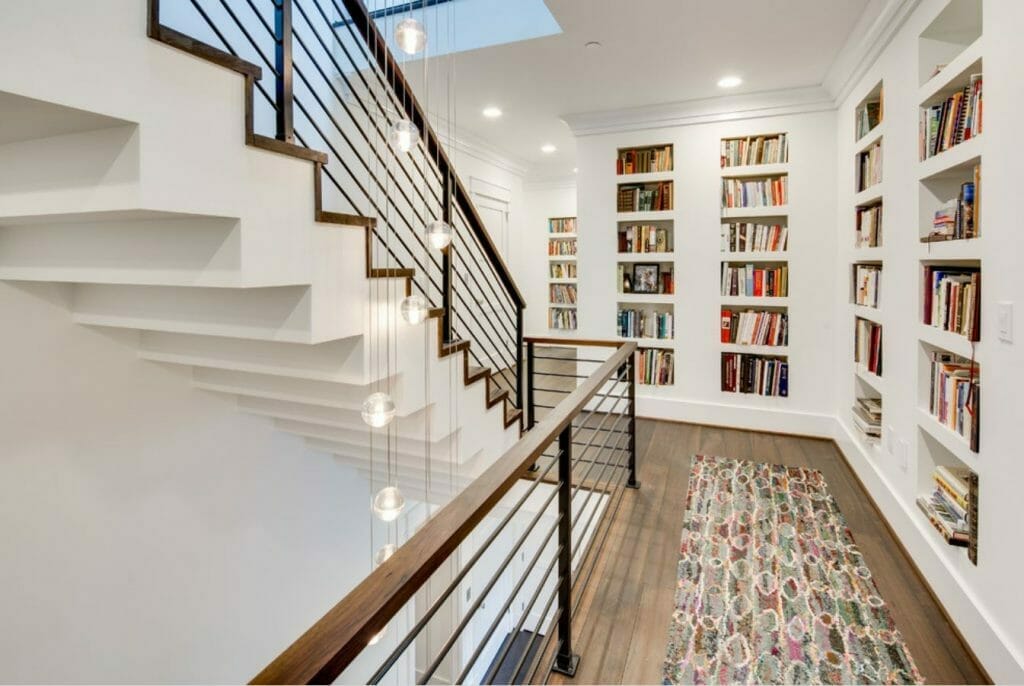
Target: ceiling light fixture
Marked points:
729	81
592	44
388	503
415	308
547	148
378	410
404	135
410	36
575	170
492	112
439	234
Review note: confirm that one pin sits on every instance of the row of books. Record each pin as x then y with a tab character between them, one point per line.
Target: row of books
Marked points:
641	238
867	348
771	192
866	284
952	299
738	152
655	367
869	167
959	217
563	270
561	318
748	237
867	417
567	247
644	160
645	278
957	119
869	226
562	294
952	504
750	280
868	116
955	395
752	327
645	324
755	374
562	225
648	198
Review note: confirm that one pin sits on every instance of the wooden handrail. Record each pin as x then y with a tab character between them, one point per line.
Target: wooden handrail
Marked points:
582	342
403	91
330	645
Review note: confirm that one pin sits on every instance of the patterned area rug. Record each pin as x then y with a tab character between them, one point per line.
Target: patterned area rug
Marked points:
772	588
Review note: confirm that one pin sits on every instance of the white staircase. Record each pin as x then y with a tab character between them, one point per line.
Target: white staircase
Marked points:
125	173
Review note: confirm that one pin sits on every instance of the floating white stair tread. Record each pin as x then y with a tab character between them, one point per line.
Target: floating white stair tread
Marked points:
348	396
205	329
361	440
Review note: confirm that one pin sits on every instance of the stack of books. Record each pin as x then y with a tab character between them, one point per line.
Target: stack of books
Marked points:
738	152
955	396
643	239
747	237
867	417
559	318
868	115
957	119
869	226
562	247
866	282
654	367
749	280
562	225
751	327
563	270
952	299
867	350
563	294
958	218
869	167
755	375
648	198
644	160
770	192
643	324
948	506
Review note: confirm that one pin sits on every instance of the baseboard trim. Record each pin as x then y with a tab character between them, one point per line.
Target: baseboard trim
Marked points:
766	419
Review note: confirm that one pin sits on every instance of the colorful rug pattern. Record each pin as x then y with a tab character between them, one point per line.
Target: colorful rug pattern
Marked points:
772	588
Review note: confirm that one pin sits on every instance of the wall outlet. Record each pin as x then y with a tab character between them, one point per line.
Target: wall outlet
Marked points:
902	448
1004	319
890	436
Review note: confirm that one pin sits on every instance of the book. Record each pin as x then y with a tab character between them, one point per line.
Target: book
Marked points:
651	197
869	167
755	281
655	367
957	119
755	374
866	284
867	117
562	318
644	160
753	327
952	299
641	238
867	350
559	247
562	294
771	149
746	192
867	416
954	397
562	225
869	226
563	270
750	237
639	323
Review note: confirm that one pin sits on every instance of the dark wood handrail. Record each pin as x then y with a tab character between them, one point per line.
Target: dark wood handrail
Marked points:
582	342
330	645
403	91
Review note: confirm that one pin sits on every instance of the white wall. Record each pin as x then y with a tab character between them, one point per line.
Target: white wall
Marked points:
152	532
696	395
543	200
983	600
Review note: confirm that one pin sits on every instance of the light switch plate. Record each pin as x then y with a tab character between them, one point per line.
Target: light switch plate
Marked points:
1004	318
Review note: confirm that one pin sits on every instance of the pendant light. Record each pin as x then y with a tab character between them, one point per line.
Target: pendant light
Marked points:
388	503
378	410
410	36
415	309
384	553
439	234
404	136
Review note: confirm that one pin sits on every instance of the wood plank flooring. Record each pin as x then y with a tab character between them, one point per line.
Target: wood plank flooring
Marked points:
621	628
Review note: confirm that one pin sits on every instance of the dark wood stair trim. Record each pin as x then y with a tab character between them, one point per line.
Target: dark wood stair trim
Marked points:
203	51
285	148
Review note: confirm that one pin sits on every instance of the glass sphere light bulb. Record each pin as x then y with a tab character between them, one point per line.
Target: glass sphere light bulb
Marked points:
439	235
415	309
388	503
378	410
410	36
384	553
404	135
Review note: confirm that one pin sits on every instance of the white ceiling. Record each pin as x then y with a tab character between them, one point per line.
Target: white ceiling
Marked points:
653	52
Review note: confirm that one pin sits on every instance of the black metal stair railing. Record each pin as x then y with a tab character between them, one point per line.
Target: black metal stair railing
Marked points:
337	88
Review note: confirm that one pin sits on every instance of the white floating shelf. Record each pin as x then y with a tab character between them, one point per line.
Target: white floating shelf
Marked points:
756	170
873	380
868	254
562	236
645	256
754	301
562	258
949	341
871	137
554	280
646	177
776	350
870	313
653	216
650	298
966	249
776	256
868	196
745	212
949	439
957	161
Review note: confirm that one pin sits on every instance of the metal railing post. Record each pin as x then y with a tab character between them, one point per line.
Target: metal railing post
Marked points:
566	662
520	372
446	263
631	380
530	372
283	67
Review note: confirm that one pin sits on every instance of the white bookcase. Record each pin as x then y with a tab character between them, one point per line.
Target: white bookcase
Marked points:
563	277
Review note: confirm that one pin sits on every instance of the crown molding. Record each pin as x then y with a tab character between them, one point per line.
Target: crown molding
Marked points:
870	36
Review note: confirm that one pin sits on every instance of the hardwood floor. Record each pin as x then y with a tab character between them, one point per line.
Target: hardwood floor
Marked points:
621	629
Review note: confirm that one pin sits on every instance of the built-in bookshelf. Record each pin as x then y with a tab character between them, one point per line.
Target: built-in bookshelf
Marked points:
563	280
869	113
950	349
645	247
754	269
867	284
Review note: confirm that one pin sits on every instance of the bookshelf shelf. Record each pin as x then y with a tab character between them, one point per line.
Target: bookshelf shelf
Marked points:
955	162
753	212
873	254
562	258
949	341
651	298
651	342
870	313
553	280
646	177
563	281
562	306
871	195
963	249
657	215
871	137
562	236
774	256
754	301
947	438
954	76
768	350
755	170
873	380
646	256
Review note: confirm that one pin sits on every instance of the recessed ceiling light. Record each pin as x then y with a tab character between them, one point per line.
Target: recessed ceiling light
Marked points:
592	44
492	112
729	81
547	148
575	170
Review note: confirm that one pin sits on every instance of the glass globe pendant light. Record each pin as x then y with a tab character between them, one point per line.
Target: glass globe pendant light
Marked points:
378	410
404	135
388	503
439	234
410	36
384	553
415	309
